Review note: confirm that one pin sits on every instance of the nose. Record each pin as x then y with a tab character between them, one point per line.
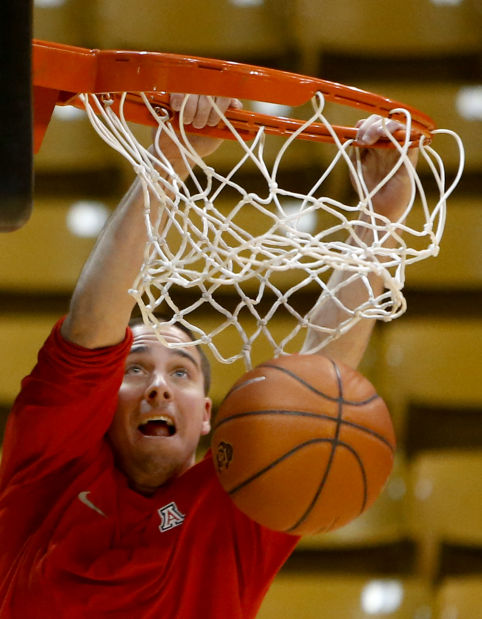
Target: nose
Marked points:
158	390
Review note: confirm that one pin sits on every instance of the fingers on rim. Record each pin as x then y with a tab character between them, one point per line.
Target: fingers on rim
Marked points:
374	127
222	103
198	110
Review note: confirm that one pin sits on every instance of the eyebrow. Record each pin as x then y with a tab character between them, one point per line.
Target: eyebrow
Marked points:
142	348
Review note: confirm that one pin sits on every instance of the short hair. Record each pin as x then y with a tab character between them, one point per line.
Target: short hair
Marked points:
205	365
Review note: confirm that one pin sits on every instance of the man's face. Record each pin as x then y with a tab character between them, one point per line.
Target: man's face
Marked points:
162	410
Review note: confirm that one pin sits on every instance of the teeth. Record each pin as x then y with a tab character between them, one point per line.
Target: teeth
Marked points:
167	420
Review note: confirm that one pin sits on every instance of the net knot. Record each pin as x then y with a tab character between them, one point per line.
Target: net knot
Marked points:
161	113
139	169
107	99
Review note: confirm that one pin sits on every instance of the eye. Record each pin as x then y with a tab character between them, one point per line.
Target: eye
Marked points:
181	373
134	369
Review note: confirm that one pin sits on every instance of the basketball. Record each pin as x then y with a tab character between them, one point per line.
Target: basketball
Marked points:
303	444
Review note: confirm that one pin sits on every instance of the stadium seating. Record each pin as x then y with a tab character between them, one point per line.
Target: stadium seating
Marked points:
412	28
431	361
459	598
45	256
230	30
313	596
21	336
68	21
444	504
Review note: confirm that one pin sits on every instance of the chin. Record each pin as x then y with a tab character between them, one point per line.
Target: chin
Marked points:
154	474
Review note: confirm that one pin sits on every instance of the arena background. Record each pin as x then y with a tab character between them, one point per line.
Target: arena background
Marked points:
418	552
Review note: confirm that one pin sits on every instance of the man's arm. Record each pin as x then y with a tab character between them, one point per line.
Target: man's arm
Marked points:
101	305
391	202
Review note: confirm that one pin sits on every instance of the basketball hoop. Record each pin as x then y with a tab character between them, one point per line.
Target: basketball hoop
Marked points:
204	252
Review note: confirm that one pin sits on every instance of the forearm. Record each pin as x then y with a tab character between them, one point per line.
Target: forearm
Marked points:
350	347
101	304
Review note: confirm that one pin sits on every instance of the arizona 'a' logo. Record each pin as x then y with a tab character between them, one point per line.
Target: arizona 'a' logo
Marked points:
170	517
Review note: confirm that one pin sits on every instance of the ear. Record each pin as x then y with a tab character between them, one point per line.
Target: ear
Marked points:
206	421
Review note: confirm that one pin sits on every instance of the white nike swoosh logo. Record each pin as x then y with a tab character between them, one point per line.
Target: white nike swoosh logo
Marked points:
83	499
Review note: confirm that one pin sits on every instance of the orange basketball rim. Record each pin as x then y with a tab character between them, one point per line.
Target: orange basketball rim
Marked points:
62	72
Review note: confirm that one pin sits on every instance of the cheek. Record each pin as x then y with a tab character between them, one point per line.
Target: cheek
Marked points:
120	426
128	394
127	399
195	411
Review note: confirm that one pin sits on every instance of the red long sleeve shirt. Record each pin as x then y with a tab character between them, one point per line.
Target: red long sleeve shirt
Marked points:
76	541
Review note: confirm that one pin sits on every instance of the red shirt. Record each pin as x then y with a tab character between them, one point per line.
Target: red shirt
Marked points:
76	541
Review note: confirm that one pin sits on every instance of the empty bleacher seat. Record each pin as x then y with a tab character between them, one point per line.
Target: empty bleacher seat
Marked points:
220	28
46	256
458	265
444	504
316	596
413	28
67	21
459	598
21	337
431	362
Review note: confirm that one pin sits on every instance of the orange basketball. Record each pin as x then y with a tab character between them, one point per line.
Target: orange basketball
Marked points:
303	444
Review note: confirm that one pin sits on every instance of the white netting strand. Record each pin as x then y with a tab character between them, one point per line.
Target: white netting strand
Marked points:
226	258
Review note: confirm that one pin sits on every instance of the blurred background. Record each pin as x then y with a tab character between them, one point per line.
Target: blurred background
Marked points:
417	553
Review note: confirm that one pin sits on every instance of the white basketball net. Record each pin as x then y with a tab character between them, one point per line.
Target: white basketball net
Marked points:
204	255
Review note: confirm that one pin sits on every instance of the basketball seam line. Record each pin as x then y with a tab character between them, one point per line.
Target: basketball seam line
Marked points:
308	414
317	391
290	453
334	445
275	462
323	481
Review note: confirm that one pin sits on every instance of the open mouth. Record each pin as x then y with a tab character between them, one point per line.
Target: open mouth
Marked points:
158	426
